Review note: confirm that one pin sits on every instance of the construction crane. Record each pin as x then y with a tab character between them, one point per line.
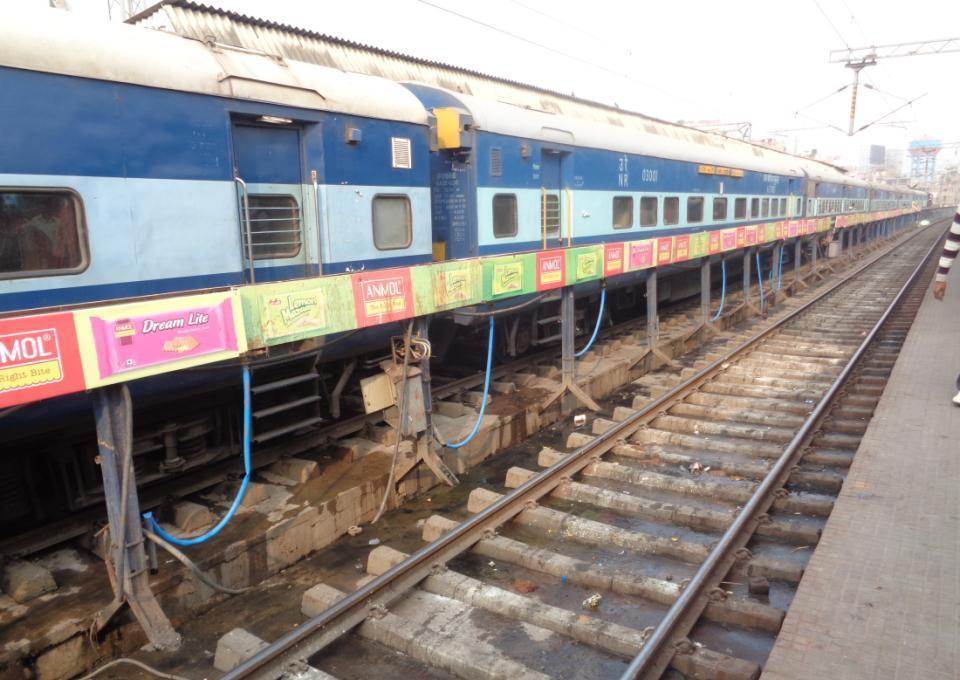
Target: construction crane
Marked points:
858	58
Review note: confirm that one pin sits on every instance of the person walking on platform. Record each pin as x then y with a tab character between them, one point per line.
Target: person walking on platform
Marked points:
950	250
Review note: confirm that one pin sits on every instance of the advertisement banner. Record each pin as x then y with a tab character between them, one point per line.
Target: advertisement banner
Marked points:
551	269
750	236
664	250
613	261
715	242
681	248
39	358
509	275
445	285
641	254
699	244
728	239
769	232
584	264
129	341
741	237
274	313
382	296
793	229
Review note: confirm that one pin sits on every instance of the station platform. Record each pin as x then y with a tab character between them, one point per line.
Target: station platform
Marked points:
881	594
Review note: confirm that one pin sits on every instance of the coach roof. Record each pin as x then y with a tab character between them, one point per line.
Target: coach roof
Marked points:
54	41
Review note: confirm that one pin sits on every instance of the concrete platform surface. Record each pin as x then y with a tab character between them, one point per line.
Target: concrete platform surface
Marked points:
881	595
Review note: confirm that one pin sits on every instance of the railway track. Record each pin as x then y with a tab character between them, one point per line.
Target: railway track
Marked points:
668	540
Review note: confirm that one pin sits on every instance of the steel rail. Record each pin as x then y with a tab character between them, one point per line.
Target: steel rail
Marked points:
320	631
654	657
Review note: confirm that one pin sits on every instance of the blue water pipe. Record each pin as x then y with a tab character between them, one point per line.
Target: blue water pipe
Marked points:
486	392
760	280
596	328
723	290
196	540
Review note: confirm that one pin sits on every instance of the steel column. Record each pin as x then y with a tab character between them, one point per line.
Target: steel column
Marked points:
797	252
653	322
705	289
569	390
126	558
747	255
814	245
429	454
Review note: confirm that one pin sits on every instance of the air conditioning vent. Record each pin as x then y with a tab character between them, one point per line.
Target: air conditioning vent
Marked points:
402	158
496	162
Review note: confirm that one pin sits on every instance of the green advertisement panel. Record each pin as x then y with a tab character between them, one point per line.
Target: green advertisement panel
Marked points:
446	285
584	263
275	313
509	275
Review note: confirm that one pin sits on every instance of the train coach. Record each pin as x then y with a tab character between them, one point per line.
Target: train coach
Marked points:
139	163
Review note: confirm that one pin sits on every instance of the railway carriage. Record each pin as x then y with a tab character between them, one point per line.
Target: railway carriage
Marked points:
140	163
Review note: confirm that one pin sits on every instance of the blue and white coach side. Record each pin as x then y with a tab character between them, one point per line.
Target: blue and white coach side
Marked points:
131	159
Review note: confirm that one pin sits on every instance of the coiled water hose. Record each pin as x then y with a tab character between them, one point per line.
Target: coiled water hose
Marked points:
596	328
486	392
196	540
723	290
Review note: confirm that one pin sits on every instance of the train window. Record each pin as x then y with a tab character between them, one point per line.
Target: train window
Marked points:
739	208
648	211
274	225
799	206
765	207
622	212
392	222
694	209
671	210
719	209
41	233
550	213
504	215
754	207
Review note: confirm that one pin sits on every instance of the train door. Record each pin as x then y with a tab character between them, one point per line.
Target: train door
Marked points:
268	172
551	197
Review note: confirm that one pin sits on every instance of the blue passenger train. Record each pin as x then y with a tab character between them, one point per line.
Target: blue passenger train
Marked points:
136	162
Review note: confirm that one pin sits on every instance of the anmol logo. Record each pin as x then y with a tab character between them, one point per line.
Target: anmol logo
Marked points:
550	264
383	288
26	348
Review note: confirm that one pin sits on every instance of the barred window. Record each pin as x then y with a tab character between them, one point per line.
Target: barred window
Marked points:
274	228
41	233
754	207
765	207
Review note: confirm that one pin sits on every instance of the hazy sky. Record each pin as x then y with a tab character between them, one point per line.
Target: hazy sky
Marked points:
692	60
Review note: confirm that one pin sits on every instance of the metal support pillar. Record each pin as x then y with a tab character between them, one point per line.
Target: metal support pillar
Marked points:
797	254
569	389
653	321
705	290
776	256
814	265
427	444
747	264
124	550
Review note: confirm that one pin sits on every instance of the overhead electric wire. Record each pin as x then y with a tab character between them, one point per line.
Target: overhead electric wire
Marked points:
554	50
833	26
